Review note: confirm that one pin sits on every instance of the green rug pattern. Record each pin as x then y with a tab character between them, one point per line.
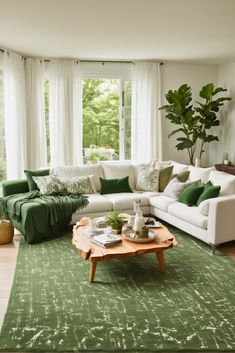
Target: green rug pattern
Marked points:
130	307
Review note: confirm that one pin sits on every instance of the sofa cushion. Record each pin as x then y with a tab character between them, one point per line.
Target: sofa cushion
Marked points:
179	167
29	175
189	214
175	188
226	181
183	176
204	207
97	203
49	184
209	192
71	171
161	202
190	195
197	173
125	201
79	185
117	171
148	179
164	177
109	186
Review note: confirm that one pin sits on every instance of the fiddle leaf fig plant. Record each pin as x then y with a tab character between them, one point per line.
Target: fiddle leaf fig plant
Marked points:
193	121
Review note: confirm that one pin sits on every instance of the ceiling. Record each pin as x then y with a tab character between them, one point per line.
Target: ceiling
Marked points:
200	31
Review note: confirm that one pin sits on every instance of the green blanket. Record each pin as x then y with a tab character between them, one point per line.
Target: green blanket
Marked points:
39	217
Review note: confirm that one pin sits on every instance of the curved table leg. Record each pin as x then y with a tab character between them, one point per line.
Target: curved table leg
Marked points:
160	259
92	270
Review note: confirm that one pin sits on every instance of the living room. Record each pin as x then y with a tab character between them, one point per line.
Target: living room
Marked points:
81	84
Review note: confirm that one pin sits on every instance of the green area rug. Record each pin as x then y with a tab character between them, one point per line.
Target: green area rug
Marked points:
130	307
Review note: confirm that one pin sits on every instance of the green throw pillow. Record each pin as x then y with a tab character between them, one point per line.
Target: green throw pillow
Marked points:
30	173
181	176
164	177
191	194
111	186
208	193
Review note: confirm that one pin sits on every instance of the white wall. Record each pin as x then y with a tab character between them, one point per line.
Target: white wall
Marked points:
226	131
174	75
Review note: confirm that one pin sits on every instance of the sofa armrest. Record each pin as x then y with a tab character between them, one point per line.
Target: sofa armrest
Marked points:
221	220
14	187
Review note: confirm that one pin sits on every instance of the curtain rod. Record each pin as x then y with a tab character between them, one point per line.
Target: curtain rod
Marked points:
90	61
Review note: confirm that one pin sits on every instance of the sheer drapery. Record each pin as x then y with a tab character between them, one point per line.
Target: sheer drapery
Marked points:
65	112
35	112
15	115
146	125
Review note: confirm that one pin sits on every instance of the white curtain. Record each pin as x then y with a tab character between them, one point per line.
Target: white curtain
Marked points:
15	115
35	112
146	124
65	112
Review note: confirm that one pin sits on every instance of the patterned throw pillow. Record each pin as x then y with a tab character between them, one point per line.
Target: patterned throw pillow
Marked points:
148	179
79	185
49	184
175	188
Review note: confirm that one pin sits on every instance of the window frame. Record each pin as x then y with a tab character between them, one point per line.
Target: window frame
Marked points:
121	71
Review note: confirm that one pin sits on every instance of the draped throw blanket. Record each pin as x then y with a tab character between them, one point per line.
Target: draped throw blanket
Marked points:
39	217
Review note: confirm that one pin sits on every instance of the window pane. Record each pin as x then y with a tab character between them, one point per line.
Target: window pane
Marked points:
2	132
101	110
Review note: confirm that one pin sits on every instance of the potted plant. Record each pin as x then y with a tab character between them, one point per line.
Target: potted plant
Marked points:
194	122
115	221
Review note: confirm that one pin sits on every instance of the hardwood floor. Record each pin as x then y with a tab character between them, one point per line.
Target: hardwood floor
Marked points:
8	255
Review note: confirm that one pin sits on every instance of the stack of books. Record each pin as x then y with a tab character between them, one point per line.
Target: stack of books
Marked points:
91	233
106	240
100	222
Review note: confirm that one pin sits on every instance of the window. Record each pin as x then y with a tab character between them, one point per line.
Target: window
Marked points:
106	119
2	132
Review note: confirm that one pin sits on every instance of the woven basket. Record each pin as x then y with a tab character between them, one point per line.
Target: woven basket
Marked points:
6	232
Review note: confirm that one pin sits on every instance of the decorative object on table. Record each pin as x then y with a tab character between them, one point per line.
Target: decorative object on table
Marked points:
194	121
139	223
106	240
115	221
226	160
197	162
136	205
148	237
6	231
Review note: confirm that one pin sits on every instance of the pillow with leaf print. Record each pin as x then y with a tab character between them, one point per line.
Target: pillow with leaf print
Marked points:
148	179
79	185
49	184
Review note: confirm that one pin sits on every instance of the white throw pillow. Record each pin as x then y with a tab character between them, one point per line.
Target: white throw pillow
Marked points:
179	167
175	188
148	179
225	180
160	164
197	173
204	207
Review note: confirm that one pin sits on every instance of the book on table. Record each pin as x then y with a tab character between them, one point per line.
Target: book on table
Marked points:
91	233
106	239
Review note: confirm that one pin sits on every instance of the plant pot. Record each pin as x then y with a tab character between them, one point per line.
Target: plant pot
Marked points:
117	231
6	232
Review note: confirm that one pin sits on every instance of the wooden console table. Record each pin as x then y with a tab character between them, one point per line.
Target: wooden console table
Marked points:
227	168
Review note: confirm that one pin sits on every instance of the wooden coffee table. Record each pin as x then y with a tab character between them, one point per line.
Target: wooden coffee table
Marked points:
96	253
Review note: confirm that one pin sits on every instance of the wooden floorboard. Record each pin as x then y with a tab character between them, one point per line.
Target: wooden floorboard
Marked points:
8	255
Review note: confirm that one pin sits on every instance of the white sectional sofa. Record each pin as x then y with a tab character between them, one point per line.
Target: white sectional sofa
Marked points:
213	221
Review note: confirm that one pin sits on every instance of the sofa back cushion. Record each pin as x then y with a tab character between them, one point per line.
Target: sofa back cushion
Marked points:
118	171
179	167
85	170
197	173
226	181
